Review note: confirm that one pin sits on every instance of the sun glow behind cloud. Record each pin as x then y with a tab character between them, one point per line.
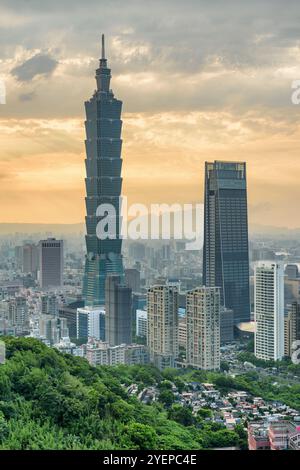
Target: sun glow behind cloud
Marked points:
221	89
42	174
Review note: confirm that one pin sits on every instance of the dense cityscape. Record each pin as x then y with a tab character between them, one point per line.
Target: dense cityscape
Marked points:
220	325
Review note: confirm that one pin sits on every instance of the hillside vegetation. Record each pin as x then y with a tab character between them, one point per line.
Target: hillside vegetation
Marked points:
50	400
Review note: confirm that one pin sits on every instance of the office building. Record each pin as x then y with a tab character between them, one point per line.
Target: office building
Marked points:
269	310
291	290
90	323
49	304
225	251
18	254
133	279
118	307
137	251
291	271
141	323
70	313
226	326
291	329
51	260
162	311
203	328
52	329
103	184
4	309
6	329
30	258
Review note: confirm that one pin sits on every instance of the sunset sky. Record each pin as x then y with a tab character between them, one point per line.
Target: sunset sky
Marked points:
199	80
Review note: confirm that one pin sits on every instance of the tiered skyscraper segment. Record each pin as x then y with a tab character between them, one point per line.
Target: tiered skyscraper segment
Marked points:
103	183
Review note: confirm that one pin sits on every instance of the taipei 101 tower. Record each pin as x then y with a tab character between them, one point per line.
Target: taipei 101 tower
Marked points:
103	183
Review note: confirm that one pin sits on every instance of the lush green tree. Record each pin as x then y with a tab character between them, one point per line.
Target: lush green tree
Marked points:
166	397
204	413
139	436
165	385
5	384
4	430
182	415
224	366
225	383
243	436
180	385
219	439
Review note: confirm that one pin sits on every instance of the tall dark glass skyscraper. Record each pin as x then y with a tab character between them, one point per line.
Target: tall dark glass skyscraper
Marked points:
225	251
103	183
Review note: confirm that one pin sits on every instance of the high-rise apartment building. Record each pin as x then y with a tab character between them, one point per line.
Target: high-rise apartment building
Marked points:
182	332
203	328
269	310
118	308
225	251
51	260
18	314
2	352
291	328
162	313
103	184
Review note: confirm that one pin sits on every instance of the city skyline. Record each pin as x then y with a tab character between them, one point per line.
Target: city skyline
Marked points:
136	311
234	104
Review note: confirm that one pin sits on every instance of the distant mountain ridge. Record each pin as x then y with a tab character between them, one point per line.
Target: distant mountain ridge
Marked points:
78	228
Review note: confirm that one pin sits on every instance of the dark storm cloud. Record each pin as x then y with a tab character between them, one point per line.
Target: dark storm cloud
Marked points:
39	64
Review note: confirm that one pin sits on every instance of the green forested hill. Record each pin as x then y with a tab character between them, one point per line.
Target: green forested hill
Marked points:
53	401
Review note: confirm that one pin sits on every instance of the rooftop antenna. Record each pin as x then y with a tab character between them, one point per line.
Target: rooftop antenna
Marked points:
103	48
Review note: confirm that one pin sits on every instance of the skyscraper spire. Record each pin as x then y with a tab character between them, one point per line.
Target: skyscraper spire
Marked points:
103	48
103	72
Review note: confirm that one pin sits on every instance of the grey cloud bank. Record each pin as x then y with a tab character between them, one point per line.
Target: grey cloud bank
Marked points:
165	55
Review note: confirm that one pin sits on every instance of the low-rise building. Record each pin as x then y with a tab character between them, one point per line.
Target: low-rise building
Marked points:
258	438
101	353
273	434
